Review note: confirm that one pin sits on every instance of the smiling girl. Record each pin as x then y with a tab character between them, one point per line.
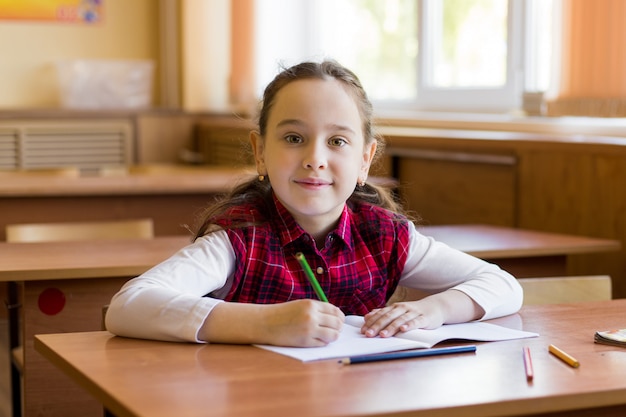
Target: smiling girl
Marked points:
239	282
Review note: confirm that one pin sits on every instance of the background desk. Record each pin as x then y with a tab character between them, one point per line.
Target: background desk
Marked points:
172	197
523	253
86	275
152	379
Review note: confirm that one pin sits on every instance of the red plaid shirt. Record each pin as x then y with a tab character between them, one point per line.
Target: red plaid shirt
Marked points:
358	268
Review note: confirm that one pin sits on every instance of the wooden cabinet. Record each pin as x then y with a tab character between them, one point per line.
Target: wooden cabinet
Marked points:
446	187
562	184
580	190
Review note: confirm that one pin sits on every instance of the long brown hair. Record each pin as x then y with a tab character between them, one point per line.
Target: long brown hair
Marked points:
259	192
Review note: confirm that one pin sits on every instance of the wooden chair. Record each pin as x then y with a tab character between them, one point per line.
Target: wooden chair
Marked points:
553	290
65	231
549	290
72	172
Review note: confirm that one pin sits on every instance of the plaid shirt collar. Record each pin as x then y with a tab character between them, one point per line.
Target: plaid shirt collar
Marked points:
291	231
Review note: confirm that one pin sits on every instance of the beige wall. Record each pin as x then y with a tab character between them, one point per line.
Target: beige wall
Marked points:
28	50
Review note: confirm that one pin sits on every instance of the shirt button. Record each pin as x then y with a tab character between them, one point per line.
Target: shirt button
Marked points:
319	270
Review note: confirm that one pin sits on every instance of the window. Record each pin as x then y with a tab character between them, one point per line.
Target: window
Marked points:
470	56
460	55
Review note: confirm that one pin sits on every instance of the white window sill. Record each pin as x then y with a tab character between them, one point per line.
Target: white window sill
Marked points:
586	126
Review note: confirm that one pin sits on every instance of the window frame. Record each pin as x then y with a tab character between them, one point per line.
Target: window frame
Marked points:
497	99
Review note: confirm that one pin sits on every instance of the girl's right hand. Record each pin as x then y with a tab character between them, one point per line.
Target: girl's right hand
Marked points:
298	323
302	323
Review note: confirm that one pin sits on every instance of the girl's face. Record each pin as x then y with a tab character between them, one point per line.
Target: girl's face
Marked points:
314	151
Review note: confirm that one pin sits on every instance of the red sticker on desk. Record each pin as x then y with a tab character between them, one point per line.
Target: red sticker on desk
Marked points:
51	301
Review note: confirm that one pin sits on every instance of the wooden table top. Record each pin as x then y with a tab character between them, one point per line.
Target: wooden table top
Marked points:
139	180
493	242
115	258
91	259
206	179
147	378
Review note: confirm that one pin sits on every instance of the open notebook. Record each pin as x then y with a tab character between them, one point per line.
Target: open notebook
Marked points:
352	343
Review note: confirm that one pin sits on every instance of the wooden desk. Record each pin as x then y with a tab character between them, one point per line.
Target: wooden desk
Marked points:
146	378
523	253
172	197
87	274
77	278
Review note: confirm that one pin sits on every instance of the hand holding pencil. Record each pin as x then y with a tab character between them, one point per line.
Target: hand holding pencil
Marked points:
299	323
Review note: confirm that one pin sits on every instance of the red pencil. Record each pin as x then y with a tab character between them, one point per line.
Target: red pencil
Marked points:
528	364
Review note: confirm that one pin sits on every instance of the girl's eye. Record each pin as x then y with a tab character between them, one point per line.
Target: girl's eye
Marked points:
293	139
337	141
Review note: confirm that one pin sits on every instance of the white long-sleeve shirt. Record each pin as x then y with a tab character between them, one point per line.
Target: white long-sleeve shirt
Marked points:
168	302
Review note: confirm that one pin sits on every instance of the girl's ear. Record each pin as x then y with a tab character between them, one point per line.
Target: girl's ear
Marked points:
257	147
368	157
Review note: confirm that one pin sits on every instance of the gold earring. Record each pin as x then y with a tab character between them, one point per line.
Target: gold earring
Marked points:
261	178
361	183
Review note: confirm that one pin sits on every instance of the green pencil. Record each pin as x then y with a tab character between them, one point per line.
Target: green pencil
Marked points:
311	277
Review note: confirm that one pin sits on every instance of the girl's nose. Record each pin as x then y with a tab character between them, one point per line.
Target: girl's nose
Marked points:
315	156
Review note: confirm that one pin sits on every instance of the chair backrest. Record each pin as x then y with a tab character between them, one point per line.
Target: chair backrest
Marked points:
48	232
72	172
553	290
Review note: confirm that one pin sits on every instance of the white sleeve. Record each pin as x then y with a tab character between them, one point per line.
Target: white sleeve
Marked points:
433	266
167	302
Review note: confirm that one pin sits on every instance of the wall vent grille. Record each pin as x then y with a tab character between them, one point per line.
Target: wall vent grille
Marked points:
85	145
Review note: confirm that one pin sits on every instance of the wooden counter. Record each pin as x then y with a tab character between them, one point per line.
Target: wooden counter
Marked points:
206	180
172	197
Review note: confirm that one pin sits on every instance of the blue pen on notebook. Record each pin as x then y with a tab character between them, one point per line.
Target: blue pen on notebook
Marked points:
352	360
311	277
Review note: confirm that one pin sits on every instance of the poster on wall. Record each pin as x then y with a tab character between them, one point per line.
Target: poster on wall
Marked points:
68	11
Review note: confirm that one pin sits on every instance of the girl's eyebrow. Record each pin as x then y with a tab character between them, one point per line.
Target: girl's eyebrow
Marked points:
298	122
290	122
343	128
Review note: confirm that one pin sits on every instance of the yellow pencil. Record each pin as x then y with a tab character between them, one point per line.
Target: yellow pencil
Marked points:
571	361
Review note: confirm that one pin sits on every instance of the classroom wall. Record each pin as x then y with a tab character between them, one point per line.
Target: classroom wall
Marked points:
29	50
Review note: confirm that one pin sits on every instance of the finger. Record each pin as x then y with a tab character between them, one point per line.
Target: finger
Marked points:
331	322
399	324
373	313
380	321
418	322
370	327
328	308
385	314
326	335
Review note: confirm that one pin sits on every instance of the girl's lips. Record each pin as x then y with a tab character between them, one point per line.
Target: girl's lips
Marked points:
313	182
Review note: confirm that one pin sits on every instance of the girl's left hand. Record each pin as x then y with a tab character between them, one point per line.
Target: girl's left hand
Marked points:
428	313
402	317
